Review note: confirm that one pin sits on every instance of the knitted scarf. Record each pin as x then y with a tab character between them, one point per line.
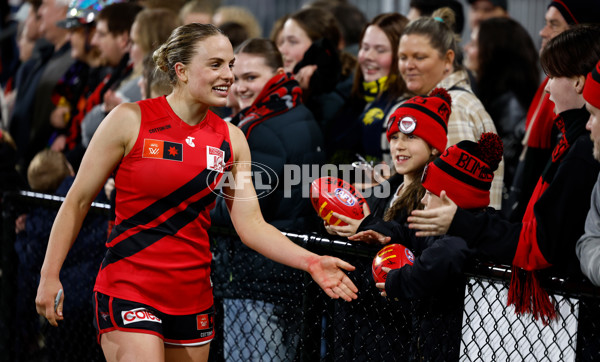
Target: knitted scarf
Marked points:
525	292
280	94
371	90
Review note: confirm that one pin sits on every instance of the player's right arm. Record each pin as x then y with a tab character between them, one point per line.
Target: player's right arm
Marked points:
113	139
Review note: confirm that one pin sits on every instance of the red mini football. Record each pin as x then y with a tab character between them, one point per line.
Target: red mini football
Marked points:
393	256
329	194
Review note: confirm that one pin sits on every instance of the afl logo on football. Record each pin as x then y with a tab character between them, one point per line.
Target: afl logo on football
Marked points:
345	197
409	255
407	124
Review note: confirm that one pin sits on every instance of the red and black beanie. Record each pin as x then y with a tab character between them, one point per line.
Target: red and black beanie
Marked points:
425	117
465	171
578	11
591	90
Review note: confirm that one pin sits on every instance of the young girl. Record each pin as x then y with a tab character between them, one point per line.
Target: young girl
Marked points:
153	296
417	135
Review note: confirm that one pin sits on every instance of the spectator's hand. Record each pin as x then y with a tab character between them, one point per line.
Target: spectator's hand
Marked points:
59	143
109	186
352	224
20	223
327	272
44	301
304	74
371	237
381	286
435	221
111	100
59	118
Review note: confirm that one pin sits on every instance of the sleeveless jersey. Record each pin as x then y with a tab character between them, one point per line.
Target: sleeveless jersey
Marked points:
158	251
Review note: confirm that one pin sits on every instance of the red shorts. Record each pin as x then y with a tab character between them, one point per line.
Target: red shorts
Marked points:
112	314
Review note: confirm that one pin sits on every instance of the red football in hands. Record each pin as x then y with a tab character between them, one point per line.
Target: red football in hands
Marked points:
329	194
393	256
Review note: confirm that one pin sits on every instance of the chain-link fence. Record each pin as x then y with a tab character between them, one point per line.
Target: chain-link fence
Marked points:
267	312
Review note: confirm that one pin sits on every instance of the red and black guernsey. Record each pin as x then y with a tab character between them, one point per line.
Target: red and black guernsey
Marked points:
158	251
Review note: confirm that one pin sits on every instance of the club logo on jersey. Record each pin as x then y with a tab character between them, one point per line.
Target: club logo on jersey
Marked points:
204	321
215	159
163	150
139	315
190	141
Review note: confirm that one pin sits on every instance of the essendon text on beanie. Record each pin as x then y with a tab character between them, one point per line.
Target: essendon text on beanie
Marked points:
266	180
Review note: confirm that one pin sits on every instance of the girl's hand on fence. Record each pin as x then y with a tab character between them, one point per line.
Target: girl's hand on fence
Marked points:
47	294
327	272
371	237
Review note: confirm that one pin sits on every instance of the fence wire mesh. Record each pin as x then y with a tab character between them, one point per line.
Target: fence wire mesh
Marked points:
268	312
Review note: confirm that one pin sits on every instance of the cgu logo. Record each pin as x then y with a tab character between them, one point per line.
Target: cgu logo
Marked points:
139	315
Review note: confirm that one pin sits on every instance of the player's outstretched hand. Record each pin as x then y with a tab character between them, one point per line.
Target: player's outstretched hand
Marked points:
431	222
327	272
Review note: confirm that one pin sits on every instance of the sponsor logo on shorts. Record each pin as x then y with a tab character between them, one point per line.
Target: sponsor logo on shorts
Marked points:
204	321
139	315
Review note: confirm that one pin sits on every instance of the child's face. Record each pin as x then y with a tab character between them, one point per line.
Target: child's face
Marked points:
431	201
409	153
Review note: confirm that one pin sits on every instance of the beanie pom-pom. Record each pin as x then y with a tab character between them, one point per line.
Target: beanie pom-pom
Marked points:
442	93
491	148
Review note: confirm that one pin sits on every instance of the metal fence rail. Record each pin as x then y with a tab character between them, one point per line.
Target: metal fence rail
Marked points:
468	322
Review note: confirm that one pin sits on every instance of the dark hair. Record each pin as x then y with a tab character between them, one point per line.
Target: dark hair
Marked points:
181	47
277	26
119	16
508	61
392	24
236	32
319	23
574	52
440	33
427	7
350	18
265	48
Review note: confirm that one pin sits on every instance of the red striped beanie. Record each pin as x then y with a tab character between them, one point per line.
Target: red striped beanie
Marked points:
425	117
465	171
591	90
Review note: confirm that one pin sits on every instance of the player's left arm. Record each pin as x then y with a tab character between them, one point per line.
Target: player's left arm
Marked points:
255	232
